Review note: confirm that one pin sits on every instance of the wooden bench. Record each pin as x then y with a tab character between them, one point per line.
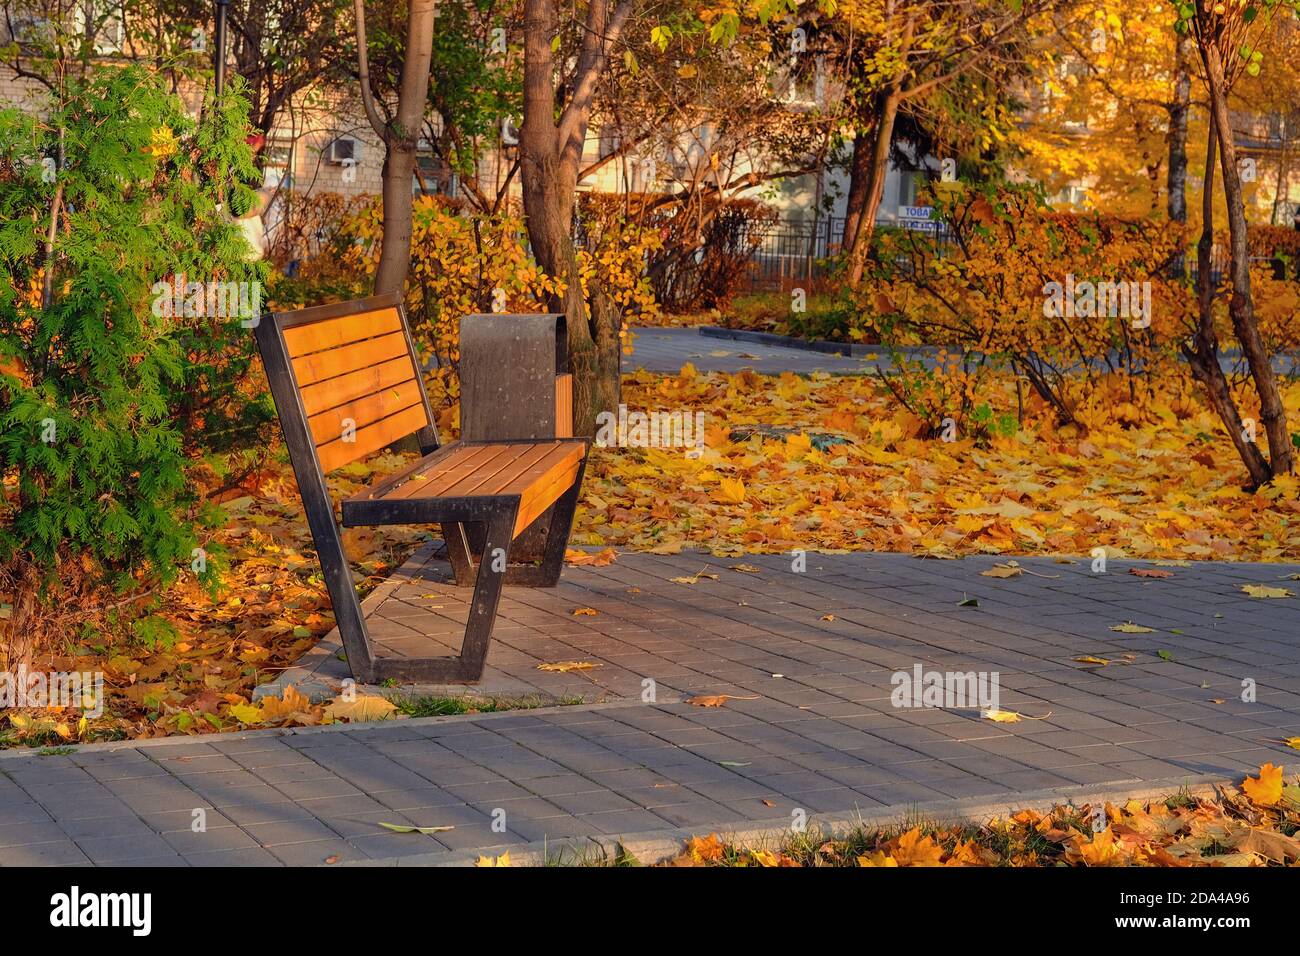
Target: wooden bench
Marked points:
346	383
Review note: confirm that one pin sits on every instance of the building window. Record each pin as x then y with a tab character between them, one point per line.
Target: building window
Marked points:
277	165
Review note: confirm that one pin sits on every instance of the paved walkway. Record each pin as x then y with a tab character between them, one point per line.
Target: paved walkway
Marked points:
816	651
668	349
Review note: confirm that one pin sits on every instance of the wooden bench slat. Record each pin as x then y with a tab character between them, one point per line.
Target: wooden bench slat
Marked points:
328	425
373	437
559	454
382	488
346	388
564	405
325	334
320	366
446	470
546	493
493	478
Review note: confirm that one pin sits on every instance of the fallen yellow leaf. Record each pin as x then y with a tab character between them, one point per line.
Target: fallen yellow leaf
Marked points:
1266	789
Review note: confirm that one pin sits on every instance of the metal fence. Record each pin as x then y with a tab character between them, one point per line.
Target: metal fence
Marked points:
796	253
789	253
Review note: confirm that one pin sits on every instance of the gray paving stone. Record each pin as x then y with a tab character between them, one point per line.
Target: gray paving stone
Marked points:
389	845
57	853
316	853
24	834
591	801
284	811
213	839
695	814
247	857
120	849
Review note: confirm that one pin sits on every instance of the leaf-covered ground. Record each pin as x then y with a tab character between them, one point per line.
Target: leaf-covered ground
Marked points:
274	607
1253	825
1164	483
1163	488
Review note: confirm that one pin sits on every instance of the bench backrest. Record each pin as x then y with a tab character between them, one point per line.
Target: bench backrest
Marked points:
515	383
346	380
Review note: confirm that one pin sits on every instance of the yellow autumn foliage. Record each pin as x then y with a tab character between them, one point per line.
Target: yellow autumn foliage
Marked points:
464	263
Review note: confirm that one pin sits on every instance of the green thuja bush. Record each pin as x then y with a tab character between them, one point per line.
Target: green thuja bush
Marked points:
108	389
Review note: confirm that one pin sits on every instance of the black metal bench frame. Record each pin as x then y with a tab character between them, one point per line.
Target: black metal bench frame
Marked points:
494	516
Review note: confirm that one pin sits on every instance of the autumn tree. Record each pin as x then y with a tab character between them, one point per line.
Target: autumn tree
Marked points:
280	47
475	87
557	110
1112	109
694	124
398	127
1226	36
909	49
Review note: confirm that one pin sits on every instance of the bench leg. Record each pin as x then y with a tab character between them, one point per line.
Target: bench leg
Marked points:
487	590
459	554
465	558
557	535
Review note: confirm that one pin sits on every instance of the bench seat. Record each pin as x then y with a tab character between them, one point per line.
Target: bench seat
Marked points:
451	484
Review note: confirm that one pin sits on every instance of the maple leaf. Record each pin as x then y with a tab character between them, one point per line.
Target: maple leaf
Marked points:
1008	570
1101	850
707	849
565	667
1269	844
1266	789
584	612
876	858
912	849
1264	591
361	708
695	578
1009	716
407	828
1089	659
970	853
597	559
715	700
247	713
1150	573
1128	627
767	858
289	704
502	860
731	490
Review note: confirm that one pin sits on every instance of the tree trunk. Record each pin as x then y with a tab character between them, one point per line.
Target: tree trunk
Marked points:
1241	306
1203	355
548	173
400	137
1282	192
876	183
1178	114
859	183
395	252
